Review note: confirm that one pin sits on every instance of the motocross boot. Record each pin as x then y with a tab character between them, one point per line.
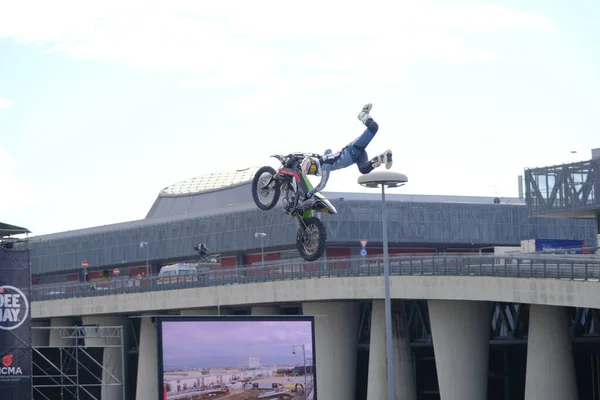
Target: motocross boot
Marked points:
304	204
383	158
364	115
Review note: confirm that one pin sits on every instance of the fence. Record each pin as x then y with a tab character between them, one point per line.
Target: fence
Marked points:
571	267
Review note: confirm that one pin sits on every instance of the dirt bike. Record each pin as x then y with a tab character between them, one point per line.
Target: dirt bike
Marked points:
311	238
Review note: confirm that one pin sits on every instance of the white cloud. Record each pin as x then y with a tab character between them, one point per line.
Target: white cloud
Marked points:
240	42
5	103
15	193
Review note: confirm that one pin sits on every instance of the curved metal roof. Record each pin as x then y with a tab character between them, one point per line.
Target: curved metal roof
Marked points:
210	182
8	230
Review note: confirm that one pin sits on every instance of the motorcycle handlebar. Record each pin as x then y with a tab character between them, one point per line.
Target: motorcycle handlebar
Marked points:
298	157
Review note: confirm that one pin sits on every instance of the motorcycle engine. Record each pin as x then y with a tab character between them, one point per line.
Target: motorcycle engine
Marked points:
288	200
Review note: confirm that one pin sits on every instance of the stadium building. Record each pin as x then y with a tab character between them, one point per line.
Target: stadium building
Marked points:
217	210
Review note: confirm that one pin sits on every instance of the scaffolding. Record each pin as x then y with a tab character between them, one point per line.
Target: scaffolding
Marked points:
79	366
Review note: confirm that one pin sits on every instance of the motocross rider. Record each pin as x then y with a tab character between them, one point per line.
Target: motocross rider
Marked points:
353	153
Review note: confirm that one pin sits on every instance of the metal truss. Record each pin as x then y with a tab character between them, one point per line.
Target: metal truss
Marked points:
364	327
585	324
419	327
569	190
76	373
510	322
400	320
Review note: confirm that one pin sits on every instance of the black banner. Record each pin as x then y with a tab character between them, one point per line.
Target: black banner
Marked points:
15	324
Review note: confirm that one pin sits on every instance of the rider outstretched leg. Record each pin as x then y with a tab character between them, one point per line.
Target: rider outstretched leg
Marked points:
364	164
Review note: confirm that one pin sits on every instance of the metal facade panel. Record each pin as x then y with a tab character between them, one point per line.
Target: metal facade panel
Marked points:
410	223
450	223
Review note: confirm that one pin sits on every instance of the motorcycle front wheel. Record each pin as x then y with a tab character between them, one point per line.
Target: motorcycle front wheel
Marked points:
313	243
260	189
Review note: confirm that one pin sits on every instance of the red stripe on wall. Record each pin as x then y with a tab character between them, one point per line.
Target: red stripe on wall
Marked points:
379	251
257	258
228	262
136	271
334	253
252	258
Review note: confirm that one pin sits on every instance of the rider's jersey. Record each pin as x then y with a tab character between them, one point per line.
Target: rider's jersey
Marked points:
325	170
330	158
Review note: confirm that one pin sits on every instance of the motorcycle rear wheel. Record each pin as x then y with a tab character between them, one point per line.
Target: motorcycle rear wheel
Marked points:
259	190
313	246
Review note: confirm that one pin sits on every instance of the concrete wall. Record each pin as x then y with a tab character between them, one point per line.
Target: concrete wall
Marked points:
513	290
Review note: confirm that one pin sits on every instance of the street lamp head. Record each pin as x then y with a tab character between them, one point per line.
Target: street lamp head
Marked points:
385	178
260	234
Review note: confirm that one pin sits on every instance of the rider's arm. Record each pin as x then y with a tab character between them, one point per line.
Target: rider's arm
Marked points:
325	169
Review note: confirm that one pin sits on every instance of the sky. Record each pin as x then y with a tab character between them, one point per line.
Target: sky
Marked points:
103	105
208	344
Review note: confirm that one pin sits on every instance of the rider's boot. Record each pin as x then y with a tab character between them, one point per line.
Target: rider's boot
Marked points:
302	206
383	158
387	159
364	115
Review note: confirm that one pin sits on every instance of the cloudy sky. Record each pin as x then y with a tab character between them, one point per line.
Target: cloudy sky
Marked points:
208	344
103	104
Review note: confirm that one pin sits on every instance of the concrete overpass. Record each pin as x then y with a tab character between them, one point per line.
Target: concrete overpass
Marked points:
457	290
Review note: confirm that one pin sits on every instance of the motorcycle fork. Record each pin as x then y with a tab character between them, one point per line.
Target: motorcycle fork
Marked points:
273	178
300	218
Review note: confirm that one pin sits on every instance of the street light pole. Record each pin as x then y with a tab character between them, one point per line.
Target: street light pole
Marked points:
304	361
147	264
390	179
388	301
262	245
145	245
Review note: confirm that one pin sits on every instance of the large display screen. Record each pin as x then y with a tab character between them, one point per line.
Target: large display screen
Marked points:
236	358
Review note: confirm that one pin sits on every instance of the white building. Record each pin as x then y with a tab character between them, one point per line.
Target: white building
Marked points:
253	362
190	380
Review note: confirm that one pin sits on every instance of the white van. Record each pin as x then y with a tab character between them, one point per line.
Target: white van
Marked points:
175	273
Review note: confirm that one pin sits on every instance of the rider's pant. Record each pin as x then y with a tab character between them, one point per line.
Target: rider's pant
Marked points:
354	152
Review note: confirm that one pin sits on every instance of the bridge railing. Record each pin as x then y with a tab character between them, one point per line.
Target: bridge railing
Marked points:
570	267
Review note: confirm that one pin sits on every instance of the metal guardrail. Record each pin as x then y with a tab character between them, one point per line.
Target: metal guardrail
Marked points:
570	267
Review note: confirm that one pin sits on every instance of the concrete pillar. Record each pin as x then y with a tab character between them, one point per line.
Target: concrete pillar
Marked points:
40	337
406	387
54	336
205	311
461	334
336	347
404	376
550	366
598	233
265	310
147	385
115	368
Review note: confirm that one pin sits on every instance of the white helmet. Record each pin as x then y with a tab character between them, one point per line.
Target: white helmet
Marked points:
311	166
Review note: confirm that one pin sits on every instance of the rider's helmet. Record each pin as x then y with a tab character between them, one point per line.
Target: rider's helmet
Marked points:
311	166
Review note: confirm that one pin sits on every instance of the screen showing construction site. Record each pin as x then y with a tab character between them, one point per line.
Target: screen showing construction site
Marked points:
236	358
